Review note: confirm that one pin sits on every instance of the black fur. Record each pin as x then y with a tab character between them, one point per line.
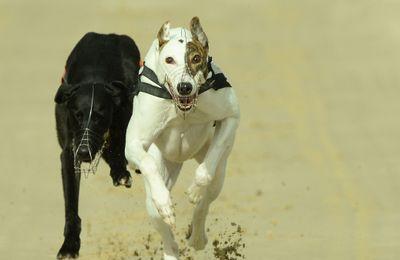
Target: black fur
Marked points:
104	66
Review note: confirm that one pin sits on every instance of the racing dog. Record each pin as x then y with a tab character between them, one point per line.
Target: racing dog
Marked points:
92	110
184	109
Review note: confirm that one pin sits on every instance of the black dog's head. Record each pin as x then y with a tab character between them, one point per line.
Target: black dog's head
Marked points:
90	112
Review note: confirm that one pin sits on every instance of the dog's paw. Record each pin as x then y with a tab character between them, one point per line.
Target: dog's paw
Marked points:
69	249
202	176
173	252
198	242
162	201
122	179
198	188
196	192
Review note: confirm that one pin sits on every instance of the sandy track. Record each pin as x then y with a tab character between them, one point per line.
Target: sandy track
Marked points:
314	172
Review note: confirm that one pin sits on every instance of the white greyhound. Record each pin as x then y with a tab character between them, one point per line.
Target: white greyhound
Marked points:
184	109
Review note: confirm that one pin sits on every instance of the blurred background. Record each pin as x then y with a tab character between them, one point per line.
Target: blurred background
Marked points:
314	173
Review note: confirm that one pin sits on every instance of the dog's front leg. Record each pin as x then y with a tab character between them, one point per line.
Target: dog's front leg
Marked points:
72	229
220	147
147	122
115	157
136	154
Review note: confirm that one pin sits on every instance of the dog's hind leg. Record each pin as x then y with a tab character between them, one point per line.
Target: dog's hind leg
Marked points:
197	231
72	229
169	171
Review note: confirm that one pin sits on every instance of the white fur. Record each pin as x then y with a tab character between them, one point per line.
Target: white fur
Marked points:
159	139
175	48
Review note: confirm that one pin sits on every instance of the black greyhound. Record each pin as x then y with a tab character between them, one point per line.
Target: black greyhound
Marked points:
93	108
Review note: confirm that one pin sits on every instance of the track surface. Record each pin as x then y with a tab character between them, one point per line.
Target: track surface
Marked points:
315	170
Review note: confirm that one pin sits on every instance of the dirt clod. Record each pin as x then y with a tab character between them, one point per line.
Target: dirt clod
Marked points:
228	246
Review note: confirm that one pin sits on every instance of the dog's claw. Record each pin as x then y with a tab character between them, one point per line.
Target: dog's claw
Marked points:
69	249
123	180
67	256
126	181
167	215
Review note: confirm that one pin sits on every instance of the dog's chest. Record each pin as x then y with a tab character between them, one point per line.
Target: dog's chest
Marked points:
181	141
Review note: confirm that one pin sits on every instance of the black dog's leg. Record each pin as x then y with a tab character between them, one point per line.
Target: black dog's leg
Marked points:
114	155
72	229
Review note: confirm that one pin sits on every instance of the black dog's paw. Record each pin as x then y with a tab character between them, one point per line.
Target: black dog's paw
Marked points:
122	178
69	249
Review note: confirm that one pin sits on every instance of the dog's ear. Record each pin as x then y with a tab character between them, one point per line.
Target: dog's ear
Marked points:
198	33
163	34
64	93
117	90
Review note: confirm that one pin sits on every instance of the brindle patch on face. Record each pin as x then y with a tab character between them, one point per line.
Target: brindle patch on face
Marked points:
194	48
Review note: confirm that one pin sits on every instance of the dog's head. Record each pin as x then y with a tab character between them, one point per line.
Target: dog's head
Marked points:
182	61
90	112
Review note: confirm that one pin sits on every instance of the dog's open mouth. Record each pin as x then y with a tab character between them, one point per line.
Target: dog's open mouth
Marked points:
88	151
185	103
87	166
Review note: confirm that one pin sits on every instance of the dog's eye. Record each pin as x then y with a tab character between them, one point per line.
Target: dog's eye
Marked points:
169	60
196	58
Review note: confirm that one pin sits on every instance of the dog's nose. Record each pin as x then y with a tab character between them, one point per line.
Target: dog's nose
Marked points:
84	153
184	88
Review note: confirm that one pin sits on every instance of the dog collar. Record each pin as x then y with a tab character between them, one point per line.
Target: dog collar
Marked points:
215	81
